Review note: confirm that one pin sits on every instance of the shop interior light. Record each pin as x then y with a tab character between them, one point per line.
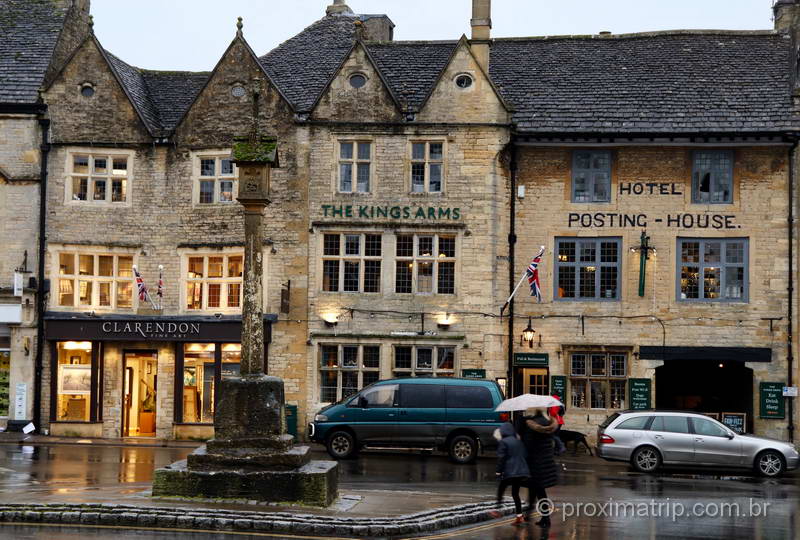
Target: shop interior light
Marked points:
77	346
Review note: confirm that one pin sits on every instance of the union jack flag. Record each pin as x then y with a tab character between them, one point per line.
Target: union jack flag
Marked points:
533	275
140	286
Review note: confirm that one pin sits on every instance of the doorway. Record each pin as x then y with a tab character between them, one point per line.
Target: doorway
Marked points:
706	386
139	392
535	381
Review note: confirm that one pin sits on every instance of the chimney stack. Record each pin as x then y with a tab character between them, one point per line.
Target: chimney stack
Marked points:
338	8
785	14
481	31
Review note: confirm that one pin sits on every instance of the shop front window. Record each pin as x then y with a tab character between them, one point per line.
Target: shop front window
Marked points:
204	364
73	381
598	380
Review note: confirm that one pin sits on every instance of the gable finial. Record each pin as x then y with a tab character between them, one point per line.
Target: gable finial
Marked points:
239	26
91	24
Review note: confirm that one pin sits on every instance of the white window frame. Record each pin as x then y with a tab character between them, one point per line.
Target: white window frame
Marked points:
95	279
340	368
205	281
354	161
361	258
197	178
427	161
91	178
435	258
415	370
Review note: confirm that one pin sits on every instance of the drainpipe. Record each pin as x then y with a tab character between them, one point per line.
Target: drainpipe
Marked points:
44	124
789	355
512	240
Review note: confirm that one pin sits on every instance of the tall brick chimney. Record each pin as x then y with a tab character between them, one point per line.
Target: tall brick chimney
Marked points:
481	30
786	14
338	8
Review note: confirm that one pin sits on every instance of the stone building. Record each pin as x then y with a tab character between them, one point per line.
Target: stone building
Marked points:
416	181
37	36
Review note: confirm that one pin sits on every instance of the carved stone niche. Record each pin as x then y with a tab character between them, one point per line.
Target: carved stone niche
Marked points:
255	160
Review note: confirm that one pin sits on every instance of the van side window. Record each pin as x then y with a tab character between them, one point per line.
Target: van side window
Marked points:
670	424
422	396
468	397
381	396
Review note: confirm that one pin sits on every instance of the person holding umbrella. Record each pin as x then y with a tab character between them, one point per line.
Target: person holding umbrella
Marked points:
536	430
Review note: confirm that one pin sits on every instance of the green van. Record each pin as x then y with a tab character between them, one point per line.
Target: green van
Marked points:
454	415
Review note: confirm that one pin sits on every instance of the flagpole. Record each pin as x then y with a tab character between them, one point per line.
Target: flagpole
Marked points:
514	292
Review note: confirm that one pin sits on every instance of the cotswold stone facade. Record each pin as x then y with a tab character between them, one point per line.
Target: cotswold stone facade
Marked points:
415	183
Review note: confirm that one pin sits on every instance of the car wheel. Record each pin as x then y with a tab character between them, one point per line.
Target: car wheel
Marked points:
770	464
463	449
646	459
342	445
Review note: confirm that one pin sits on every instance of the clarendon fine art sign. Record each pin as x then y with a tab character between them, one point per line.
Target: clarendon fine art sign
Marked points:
359	211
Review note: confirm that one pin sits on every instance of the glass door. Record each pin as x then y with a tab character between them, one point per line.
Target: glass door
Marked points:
139	392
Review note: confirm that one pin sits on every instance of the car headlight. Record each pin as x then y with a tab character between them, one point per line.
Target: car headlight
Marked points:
320	418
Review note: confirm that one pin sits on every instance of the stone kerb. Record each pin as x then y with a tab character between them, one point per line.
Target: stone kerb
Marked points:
129	516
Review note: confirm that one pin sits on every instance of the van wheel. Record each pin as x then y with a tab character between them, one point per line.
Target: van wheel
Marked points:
770	464
341	445
646	459
463	449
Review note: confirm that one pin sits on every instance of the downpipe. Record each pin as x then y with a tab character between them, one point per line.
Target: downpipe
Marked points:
790	333
44	124
512	240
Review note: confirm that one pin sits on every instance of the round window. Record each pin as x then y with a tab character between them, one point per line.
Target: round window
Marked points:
238	91
87	91
463	81
358	80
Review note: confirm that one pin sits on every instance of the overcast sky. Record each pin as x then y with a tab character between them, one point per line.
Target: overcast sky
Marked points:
193	34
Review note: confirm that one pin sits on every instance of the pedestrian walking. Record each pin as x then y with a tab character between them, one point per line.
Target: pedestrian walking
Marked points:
512	468
536	430
557	413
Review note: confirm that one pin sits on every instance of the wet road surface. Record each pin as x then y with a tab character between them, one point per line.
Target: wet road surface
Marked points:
711	505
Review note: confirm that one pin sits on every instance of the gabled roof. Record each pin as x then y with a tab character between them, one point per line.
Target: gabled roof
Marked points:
302	66
670	82
411	68
29	30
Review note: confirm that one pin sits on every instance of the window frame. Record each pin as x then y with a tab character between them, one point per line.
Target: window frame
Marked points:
715	154
577	264
343	258
218	352
415	371
360	369
354	161
723	266
92	153
427	162
435	258
197	178
587	378
94	278
225	281
590	175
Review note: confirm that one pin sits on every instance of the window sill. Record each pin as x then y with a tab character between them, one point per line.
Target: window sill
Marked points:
209	424
97	204
711	301
231	204
87	422
426	193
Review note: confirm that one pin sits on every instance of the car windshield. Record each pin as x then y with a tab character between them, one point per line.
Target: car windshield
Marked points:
608	420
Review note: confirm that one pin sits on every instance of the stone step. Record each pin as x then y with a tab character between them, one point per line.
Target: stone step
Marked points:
248	459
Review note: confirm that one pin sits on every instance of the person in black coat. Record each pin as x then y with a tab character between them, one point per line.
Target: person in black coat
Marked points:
536	431
512	467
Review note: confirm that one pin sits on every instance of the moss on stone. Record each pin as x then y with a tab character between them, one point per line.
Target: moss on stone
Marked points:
262	151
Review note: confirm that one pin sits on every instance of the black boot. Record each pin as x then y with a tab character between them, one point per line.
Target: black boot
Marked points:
544	523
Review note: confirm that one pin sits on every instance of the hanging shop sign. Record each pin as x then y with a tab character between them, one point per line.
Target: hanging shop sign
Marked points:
531	359
365	211
770	399
639	394
558	387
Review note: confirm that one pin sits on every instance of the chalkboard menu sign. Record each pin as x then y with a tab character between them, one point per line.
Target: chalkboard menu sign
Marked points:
558	387
771	400
639	392
735	421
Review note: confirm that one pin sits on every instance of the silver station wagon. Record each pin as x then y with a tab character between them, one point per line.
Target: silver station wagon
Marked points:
650	439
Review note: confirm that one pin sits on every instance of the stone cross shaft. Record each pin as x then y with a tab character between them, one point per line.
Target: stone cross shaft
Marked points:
253	291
